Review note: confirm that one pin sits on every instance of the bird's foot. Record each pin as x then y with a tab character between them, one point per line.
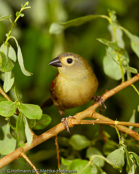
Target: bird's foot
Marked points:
65	123
101	102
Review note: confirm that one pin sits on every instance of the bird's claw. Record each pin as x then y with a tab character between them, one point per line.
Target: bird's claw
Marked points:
65	123
101	102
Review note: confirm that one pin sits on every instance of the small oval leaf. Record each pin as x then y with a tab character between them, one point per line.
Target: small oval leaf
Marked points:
7	108
43	122
6	64
8	81
31	111
79	142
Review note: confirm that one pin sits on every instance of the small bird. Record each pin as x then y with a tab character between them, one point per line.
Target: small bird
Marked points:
75	84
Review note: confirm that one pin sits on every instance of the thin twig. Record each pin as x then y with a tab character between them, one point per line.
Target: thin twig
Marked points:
30	163
105	122
57	152
4	94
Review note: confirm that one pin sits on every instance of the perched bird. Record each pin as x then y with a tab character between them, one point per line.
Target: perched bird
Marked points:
75	84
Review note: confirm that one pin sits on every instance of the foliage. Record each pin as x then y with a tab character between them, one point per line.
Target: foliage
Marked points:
82	152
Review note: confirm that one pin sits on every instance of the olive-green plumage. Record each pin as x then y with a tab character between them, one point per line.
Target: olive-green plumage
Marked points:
75	83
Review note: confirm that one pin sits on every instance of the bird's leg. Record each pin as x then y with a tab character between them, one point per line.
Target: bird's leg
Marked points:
101	102
64	120
65	123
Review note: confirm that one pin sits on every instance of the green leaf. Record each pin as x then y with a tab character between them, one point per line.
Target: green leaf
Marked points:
8	81
134	41
66	162
91	152
132	70
117	157
9	51
6	64
128	159
7	144
118	34
20	130
30	111
43	122
22	14
109	146
136	157
112	60
111	68
81	166
79	142
56	28
108	43
116	60
2	18
96	170
28	133
20	59
7	108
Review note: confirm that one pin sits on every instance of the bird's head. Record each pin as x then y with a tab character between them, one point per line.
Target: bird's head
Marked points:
70	64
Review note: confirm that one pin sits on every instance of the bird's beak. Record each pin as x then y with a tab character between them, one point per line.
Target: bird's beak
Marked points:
56	62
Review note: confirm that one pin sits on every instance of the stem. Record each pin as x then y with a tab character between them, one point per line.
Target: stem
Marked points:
57	152
30	163
4	94
13	24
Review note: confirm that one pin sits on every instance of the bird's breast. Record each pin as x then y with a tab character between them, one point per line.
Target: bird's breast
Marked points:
73	93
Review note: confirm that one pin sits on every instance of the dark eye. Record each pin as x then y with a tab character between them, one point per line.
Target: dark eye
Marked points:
69	60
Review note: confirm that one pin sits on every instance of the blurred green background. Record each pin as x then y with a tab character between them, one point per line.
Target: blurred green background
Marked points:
39	47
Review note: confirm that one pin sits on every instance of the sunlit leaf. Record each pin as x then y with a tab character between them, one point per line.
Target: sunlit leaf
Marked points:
7	108
31	111
8	81
20	59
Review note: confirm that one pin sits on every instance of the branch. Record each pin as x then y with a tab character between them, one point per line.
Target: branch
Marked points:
89	112
4	94
28	160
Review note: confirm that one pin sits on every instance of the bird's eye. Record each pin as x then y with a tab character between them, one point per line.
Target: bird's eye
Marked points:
69	60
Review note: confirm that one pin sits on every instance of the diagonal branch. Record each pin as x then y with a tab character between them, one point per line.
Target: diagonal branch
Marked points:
89	112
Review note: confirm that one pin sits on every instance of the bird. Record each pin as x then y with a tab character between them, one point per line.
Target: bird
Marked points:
74	85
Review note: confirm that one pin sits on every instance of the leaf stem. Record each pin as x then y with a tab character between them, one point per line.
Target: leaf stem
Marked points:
4	94
13	24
